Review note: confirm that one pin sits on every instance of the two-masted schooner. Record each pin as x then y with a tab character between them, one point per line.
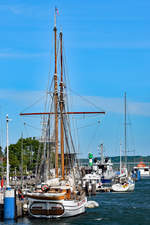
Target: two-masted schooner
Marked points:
60	195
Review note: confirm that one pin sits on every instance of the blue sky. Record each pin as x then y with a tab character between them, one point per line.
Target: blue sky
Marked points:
107	48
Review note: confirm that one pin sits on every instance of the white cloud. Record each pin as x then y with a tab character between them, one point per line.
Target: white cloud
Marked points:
114	105
90	103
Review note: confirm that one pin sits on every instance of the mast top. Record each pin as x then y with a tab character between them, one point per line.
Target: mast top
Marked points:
56	12
55	19
61	30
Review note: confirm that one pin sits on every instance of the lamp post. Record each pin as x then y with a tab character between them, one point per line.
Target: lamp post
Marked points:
7	178
9	195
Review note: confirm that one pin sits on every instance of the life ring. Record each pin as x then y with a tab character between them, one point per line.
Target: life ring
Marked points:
45	187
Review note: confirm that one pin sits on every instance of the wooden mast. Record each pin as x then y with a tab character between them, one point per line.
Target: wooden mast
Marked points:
61	110
56	100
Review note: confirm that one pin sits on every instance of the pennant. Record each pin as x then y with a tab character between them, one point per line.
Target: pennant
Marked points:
56	11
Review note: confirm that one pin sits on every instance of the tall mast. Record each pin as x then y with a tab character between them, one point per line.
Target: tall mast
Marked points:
56	100
61	108
125	129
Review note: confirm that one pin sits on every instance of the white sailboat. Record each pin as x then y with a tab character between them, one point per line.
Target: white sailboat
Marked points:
123	182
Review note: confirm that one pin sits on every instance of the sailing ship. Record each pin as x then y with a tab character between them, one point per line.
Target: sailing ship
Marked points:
58	195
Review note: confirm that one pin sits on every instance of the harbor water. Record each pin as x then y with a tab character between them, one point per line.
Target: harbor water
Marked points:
114	209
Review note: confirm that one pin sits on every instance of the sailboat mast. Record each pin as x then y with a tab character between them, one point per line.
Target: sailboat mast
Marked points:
61	108
56	101
120	158
125	129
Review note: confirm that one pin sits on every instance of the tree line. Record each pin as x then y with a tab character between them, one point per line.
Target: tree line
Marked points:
23	154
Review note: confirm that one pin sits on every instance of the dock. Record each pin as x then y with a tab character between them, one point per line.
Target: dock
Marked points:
104	189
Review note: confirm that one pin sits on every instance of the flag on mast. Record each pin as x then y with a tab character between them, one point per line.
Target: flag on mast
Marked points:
56	10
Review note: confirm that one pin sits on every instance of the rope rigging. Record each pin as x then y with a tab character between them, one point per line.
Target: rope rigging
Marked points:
45	154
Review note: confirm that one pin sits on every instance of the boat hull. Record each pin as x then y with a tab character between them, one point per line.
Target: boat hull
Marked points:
123	187
120	188
55	208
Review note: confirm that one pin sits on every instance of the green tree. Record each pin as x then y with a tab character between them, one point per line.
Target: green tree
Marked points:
29	148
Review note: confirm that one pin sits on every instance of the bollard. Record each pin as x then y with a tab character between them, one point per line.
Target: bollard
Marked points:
9	204
87	188
93	189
